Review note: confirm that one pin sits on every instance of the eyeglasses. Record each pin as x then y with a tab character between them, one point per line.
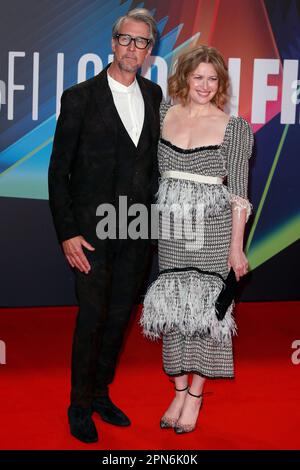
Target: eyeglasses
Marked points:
139	42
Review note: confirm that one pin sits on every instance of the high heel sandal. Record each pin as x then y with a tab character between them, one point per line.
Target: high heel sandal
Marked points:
168	422
185	428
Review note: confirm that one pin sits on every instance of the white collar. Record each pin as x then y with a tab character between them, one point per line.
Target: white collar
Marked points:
117	86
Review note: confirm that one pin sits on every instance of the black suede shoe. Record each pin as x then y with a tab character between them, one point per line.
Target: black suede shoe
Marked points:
81	424
109	412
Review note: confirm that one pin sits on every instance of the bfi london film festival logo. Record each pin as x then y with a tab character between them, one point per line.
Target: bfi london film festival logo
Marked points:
2	352
295	357
167	222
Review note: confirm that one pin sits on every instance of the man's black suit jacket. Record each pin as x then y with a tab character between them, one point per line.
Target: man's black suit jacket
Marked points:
83	164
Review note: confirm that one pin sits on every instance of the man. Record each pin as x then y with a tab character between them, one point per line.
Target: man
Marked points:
104	147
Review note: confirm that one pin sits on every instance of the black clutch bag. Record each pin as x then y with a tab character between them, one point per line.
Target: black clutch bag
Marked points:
226	295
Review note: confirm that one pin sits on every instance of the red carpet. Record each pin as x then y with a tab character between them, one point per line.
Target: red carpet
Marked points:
260	409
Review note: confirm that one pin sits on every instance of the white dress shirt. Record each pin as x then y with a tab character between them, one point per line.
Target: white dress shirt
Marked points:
130	106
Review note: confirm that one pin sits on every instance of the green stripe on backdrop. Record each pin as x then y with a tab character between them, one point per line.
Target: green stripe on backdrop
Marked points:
266	189
272	244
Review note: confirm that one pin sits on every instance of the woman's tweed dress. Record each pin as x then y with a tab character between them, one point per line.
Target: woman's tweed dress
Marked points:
195	232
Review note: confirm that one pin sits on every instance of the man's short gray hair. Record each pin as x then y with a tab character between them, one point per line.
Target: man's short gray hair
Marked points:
138	14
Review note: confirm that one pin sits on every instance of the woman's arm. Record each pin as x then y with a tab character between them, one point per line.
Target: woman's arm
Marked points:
237	259
240	150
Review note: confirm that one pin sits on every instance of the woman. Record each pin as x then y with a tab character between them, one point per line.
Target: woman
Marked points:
203	161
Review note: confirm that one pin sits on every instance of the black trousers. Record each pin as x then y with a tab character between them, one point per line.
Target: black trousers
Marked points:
106	296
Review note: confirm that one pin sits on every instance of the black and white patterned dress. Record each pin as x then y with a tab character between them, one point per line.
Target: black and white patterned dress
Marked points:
194	236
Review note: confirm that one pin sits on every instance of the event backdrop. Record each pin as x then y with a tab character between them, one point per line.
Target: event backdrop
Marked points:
47	46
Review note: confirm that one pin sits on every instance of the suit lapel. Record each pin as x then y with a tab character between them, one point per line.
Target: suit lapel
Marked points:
105	102
149	111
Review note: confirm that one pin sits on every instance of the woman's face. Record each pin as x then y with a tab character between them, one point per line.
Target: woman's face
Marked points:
203	83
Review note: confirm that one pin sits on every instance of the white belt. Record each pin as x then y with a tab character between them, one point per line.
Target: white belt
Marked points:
181	175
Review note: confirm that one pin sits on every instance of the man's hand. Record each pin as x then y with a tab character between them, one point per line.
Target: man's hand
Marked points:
73	251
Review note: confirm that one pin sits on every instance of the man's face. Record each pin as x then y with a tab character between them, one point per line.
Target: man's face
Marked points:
130	58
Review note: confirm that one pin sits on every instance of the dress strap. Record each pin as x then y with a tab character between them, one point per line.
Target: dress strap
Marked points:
164	108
